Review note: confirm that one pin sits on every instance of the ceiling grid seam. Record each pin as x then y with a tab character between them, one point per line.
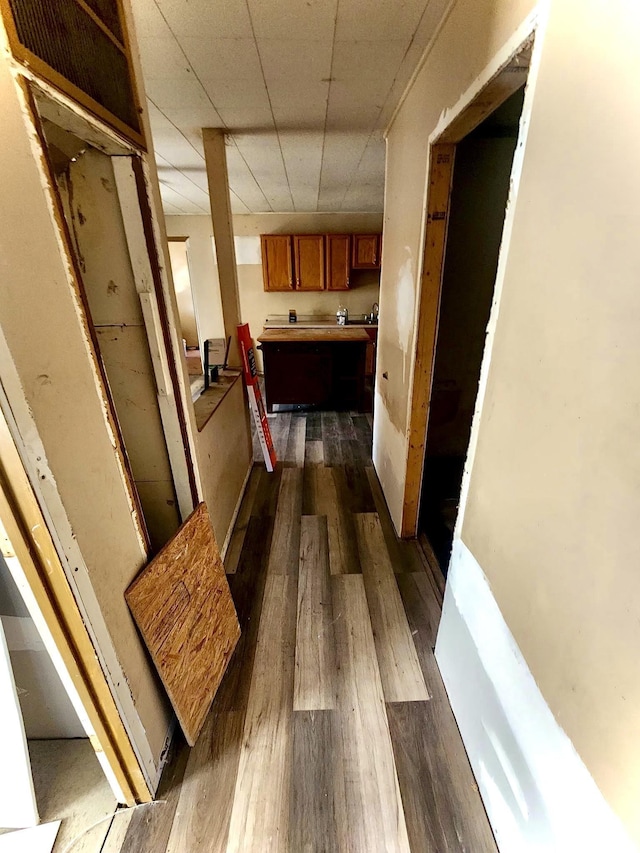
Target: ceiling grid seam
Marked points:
326	112
275	124
222	122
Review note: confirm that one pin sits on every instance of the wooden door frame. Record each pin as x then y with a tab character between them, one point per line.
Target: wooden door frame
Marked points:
506	80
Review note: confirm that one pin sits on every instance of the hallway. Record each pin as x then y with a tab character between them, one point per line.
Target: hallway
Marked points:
331	730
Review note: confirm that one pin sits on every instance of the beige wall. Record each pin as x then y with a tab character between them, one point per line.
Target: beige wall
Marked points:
473	33
554	501
184	296
202	271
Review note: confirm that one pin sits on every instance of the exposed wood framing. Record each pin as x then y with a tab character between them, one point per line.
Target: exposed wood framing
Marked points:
28	537
169	401
439	193
507	80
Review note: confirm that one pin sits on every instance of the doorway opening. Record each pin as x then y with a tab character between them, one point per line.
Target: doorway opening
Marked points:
479	194
465	217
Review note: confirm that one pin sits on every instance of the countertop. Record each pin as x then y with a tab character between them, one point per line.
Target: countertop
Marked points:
314	322
293	332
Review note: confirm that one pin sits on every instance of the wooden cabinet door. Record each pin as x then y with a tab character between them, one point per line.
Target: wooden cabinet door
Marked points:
338	261
308	252
277	269
366	251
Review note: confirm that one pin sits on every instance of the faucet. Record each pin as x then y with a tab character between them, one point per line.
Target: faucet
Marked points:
375	310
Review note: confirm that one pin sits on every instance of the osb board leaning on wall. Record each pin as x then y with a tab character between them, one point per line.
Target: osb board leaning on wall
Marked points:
184	610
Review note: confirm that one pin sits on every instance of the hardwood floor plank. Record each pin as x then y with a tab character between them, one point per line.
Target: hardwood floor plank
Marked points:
313	454
364	434
201	823
260	814
423	614
404	555
242	520
443	809
354	489
247	590
323	497
345	425
285	544
400	670
331	439
314	426
150	825
280	426
295	452
266	498
312	817
315	666
368	805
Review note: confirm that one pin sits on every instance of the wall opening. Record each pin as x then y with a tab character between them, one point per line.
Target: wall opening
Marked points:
187	314
479	194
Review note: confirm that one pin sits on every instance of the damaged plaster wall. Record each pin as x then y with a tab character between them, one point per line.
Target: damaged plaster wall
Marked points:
49	345
471	36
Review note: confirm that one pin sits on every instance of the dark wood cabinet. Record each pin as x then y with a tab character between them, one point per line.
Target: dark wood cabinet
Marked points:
308	252
319	367
366	251
338	261
277	261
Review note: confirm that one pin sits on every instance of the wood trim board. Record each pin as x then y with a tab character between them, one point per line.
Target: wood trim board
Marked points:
183	607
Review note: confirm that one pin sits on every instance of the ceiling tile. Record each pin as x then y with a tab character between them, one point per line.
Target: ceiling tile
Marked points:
299	106
184	92
297	19
303	159
299	60
222	18
149	20
241	106
162	57
367	21
224	58
243	183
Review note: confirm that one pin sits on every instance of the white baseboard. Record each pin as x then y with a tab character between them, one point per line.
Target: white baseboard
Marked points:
538	794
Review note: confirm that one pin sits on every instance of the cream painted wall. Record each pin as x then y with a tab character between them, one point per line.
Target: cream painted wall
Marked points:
182	283
202	270
554	496
470	38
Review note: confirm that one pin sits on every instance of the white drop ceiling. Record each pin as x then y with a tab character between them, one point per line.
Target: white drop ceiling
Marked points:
303	88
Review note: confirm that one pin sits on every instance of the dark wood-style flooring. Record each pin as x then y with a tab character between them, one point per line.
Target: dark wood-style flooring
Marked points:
331	730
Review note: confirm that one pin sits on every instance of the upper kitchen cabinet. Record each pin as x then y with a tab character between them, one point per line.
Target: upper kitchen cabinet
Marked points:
277	263
308	253
338	261
366	251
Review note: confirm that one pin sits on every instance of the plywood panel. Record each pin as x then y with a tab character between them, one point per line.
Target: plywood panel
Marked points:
182	605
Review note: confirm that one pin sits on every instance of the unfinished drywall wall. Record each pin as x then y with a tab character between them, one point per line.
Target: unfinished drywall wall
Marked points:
471	37
225	456
203	271
49	345
554	497
95	223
